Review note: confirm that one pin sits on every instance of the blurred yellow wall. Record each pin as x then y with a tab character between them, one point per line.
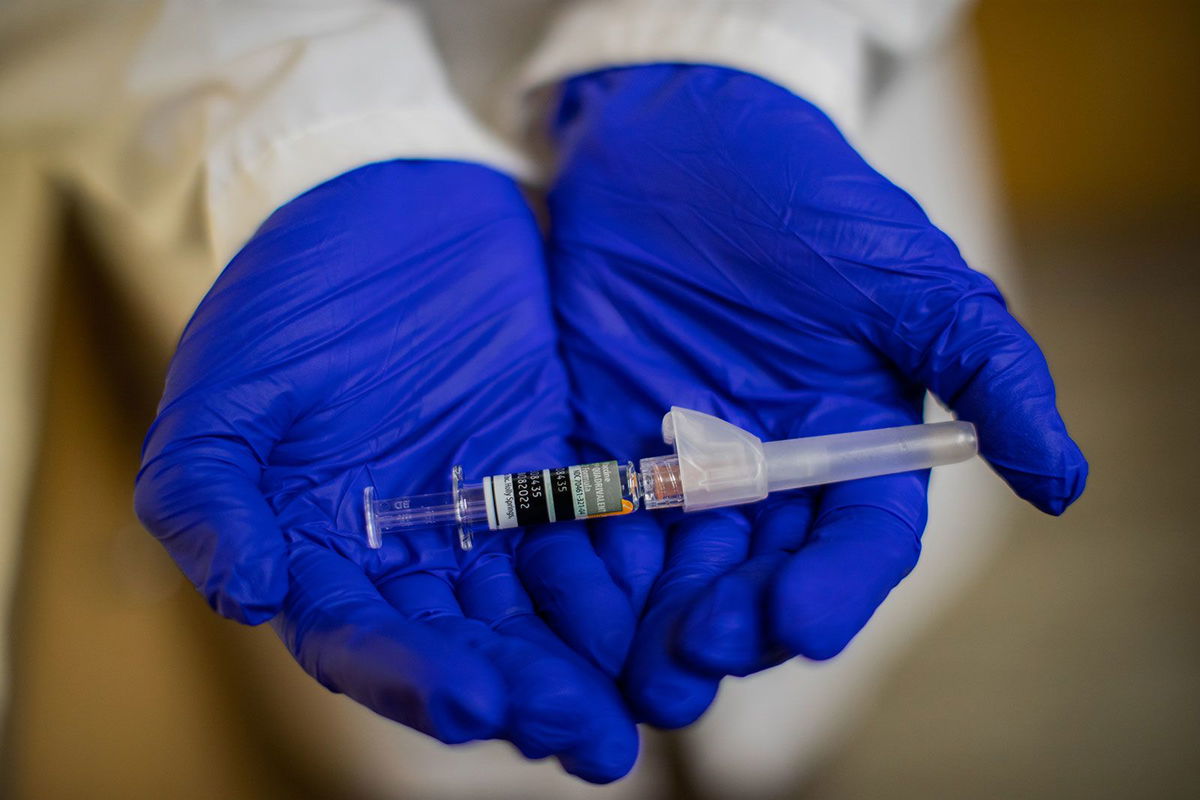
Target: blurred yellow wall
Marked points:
1096	103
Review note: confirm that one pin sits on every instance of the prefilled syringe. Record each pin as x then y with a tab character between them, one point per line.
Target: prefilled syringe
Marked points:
715	464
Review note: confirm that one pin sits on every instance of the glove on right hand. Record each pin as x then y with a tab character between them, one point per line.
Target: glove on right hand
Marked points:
719	244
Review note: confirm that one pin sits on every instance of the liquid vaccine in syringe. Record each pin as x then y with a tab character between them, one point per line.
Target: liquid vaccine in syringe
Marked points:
715	464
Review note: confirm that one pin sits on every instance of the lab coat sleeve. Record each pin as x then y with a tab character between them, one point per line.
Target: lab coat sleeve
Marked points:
817	48
249	102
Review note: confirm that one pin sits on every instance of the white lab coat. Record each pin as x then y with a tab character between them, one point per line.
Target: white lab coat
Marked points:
177	127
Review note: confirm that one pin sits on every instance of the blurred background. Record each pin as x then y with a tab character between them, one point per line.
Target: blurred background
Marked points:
1070	668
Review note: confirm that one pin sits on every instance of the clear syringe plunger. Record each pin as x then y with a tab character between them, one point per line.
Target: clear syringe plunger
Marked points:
715	464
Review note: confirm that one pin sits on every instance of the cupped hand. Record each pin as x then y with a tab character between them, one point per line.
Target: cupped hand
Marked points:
375	331
717	244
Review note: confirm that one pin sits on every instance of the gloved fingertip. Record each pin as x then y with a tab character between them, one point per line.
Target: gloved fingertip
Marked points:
456	717
1071	486
724	631
561	706
574	593
818	638
603	636
246	614
250	593
456	697
817	641
1051	493
817	609
608	759
612	649
554	715
633	551
824	650
673	703
718	639
720	647
816	644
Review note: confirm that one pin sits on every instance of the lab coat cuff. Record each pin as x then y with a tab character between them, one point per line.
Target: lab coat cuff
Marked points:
245	185
815	51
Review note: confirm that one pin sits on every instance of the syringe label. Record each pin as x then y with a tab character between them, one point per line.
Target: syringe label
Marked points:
596	488
548	495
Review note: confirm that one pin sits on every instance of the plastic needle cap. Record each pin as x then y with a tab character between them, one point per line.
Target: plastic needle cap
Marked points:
722	465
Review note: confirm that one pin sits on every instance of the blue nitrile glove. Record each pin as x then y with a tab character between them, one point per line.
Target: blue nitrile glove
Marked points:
720	246
377	330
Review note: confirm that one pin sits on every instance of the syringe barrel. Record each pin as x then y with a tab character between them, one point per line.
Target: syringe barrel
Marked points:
795	463
510	500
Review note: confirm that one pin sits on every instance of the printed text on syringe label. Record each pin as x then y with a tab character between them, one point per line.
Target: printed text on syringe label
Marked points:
549	495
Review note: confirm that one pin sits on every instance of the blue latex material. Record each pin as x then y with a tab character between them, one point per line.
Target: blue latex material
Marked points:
377	330
718	245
